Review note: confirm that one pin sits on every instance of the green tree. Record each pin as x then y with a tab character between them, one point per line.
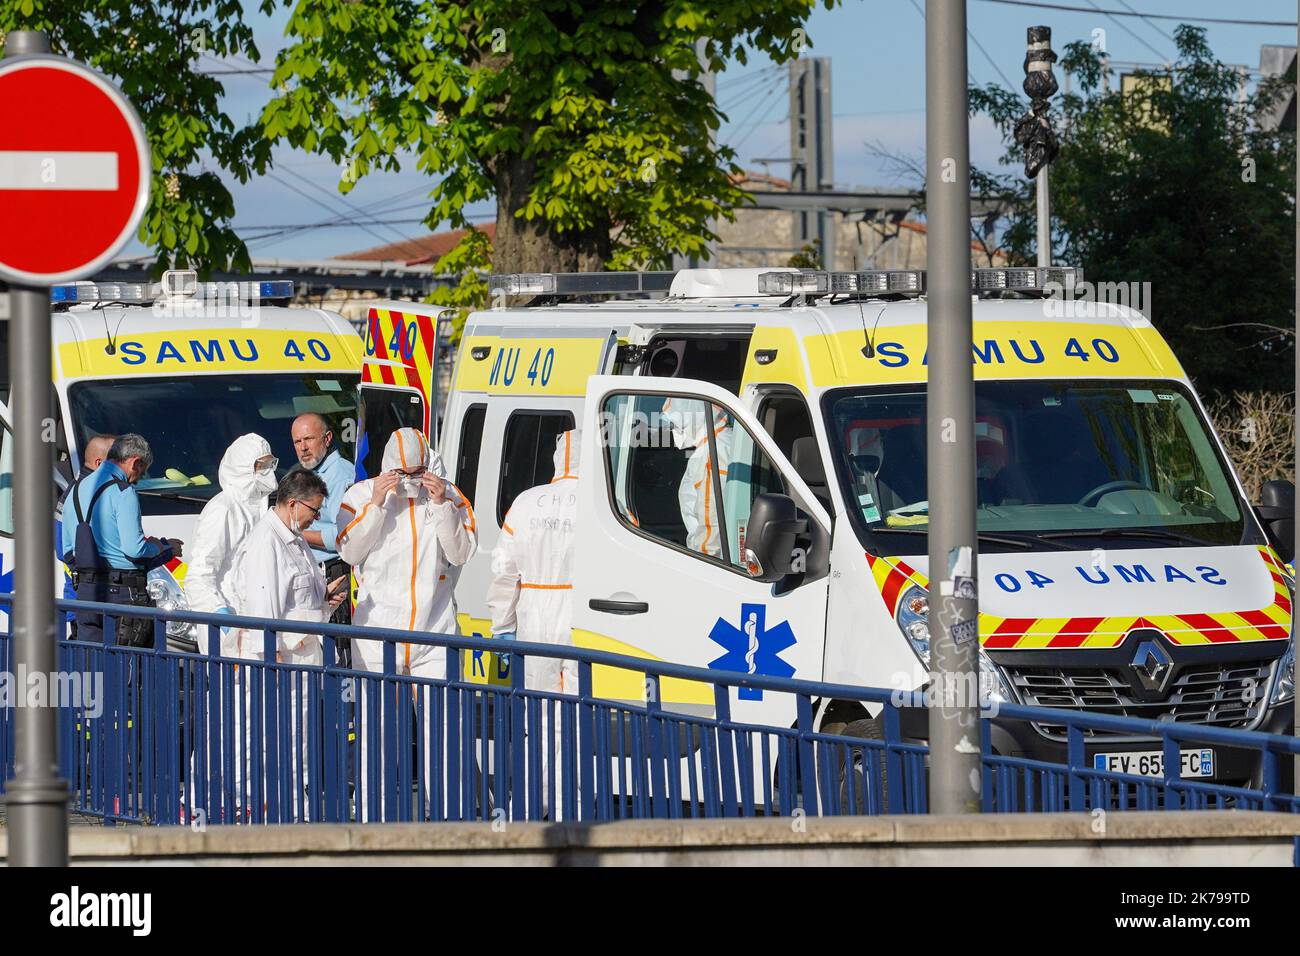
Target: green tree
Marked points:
586	121
1178	184
152	50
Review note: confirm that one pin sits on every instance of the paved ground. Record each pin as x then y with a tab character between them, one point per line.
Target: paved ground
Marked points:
1198	838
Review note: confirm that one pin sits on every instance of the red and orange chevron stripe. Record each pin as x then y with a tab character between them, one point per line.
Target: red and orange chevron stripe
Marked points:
1270	623
414	351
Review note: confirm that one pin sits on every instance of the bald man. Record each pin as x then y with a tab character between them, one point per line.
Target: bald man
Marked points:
313	442
92	457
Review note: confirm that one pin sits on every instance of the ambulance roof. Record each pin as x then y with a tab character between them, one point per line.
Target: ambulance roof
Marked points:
821	317
81	323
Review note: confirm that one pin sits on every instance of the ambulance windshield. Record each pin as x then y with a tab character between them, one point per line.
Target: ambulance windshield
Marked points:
1054	460
190	421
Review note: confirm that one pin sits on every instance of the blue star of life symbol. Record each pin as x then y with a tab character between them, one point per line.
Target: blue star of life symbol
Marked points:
6	586
752	648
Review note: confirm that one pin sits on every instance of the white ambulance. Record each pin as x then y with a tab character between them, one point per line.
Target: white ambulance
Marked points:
190	366
1121	568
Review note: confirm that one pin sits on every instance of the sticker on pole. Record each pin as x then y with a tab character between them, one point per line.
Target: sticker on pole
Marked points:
74	170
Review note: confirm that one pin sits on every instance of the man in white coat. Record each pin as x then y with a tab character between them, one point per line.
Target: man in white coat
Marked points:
404	532
278	578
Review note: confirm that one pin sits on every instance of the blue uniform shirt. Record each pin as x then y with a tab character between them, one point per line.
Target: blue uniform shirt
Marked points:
115	521
338	474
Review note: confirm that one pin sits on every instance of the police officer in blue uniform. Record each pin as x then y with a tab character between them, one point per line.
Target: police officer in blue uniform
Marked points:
104	542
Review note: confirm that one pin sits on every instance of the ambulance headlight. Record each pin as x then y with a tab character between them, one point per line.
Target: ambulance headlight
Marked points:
913	617
1284	683
168	596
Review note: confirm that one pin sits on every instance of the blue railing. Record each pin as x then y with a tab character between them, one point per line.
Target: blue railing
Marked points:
164	736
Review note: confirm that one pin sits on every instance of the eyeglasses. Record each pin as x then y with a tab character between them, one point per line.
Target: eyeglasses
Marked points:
314	511
266	465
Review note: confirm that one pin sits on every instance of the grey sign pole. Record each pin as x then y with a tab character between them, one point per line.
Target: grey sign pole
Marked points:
950	427
37	796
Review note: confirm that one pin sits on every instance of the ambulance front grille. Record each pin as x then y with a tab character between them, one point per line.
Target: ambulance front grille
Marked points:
1220	695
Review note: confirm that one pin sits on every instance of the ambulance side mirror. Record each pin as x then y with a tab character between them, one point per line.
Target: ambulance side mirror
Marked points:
1277	510
771	537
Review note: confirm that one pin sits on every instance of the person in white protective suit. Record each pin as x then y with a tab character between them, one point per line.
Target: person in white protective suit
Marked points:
405	533
697	494
531	594
402	531
247	478
278	577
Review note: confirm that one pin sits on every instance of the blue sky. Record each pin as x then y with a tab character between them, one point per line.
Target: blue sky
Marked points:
878	99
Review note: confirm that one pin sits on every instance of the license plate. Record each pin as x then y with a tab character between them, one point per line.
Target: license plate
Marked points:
1151	763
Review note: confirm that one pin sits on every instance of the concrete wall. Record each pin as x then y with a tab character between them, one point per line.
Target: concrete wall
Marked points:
1216	838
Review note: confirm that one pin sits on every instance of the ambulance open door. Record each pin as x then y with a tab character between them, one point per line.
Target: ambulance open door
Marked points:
399	378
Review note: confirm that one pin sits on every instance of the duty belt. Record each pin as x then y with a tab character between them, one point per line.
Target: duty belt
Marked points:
113	576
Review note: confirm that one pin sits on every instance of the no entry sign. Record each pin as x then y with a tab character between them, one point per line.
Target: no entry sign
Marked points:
74	170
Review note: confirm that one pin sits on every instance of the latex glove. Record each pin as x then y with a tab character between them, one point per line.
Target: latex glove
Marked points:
504	656
225	631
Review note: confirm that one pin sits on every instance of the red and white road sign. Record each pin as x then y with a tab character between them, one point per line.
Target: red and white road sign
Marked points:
74	170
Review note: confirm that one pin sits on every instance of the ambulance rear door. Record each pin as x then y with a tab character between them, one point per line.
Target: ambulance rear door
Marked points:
399	377
517	385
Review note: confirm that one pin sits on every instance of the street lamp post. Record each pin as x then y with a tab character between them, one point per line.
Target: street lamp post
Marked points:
955	781
1034	130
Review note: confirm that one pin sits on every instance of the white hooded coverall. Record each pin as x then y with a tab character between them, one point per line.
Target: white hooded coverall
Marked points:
697	494
224	525
531	594
404	553
401	552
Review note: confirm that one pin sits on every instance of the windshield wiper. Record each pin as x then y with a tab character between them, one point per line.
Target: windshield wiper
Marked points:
172	495
1024	543
1127	533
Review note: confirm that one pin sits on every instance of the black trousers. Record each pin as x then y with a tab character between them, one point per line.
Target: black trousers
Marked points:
134	631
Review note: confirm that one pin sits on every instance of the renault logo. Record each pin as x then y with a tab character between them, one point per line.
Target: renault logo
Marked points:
1152	665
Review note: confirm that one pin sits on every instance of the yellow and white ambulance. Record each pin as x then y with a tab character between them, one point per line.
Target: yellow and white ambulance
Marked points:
190	366
1121	568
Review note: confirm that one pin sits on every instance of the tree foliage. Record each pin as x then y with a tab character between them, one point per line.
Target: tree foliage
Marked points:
1178	184
153	51
585	121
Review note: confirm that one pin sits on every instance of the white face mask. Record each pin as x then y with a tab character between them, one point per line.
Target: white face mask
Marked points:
264	482
410	485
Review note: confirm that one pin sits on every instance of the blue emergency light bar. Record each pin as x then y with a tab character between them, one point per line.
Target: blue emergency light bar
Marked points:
100	292
175	284
246	291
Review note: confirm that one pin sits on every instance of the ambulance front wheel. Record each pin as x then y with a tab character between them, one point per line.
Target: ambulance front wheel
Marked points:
861	775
